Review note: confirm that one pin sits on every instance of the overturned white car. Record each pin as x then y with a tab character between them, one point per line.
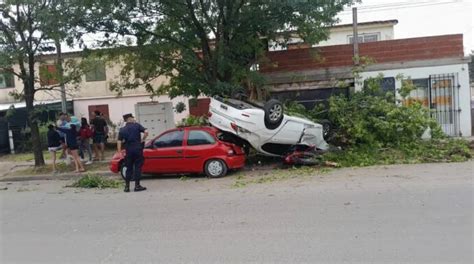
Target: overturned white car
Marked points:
266	128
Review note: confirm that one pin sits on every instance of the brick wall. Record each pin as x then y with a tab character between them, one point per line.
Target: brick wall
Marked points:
199	107
399	50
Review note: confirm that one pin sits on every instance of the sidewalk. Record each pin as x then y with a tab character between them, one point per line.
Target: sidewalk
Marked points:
59	176
8	169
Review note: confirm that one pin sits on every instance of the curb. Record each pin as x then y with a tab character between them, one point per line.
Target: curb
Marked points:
62	176
70	176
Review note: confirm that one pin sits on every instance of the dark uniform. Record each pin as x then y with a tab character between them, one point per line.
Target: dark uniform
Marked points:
130	134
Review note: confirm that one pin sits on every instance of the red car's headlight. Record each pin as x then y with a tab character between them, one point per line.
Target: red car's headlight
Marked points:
118	156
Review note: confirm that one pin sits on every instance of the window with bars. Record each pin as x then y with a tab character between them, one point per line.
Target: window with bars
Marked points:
421	92
364	38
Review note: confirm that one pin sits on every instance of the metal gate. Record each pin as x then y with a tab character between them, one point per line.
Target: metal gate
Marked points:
4	140
444	102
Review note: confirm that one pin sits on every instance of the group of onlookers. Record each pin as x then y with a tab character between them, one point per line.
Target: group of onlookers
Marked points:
73	138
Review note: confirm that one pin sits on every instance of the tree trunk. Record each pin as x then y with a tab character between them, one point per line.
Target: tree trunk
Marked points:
29	89
33	124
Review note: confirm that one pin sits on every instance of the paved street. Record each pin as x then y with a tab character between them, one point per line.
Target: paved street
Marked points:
394	214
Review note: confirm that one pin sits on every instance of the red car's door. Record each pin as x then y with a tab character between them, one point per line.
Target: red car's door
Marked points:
165	155
200	145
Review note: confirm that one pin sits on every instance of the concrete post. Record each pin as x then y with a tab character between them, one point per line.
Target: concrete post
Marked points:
12	145
355	36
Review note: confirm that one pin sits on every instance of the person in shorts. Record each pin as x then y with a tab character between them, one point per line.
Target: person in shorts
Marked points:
85	134
72	145
62	123
99	126
54	144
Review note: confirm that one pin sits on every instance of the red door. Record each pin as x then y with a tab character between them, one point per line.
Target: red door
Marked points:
166	153
104	109
200	146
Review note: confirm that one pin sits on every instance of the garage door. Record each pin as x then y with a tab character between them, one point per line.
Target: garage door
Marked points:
4	142
156	117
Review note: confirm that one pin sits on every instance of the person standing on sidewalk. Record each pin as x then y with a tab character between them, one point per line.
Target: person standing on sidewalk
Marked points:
85	134
54	144
72	145
62	123
131	136
99	126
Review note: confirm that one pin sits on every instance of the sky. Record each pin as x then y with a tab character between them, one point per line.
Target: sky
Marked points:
418	18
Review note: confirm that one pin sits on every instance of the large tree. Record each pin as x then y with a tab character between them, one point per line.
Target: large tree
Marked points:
28	29
204	46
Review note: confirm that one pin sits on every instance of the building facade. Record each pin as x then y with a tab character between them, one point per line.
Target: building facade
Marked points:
308	75
91	93
435	64
343	34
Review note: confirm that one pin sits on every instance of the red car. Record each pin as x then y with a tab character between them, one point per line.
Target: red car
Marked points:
187	150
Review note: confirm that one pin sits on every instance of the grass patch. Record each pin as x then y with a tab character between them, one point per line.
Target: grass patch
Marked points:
61	168
23	157
95	181
449	150
47	169
184	178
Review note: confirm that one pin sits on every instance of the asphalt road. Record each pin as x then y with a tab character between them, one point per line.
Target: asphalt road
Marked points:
396	214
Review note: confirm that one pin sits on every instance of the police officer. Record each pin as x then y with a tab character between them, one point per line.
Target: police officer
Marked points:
130	135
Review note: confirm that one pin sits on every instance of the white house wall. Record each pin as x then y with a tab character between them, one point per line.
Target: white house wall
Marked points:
118	106
424	72
339	36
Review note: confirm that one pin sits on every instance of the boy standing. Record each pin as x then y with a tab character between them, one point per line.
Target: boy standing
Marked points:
99	126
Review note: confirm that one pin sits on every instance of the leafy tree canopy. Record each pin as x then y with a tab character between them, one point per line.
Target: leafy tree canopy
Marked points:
204	46
28	28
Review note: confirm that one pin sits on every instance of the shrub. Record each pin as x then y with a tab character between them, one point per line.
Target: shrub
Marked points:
377	120
372	117
452	150
95	181
193	121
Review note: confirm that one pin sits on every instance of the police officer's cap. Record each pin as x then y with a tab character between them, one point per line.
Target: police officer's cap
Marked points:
127	116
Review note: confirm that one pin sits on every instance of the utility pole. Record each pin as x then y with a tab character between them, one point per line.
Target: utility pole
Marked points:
355	36
59	65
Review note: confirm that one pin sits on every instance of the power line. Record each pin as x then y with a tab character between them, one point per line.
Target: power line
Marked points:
387	5
364	9
406	3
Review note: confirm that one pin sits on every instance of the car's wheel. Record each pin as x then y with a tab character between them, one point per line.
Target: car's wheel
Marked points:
215	168
273	113
327	127
123	170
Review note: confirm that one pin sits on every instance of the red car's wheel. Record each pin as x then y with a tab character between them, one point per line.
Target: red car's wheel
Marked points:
215	168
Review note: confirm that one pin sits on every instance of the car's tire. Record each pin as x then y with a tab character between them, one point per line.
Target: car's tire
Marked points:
327	128
273	113
123	170
215	168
